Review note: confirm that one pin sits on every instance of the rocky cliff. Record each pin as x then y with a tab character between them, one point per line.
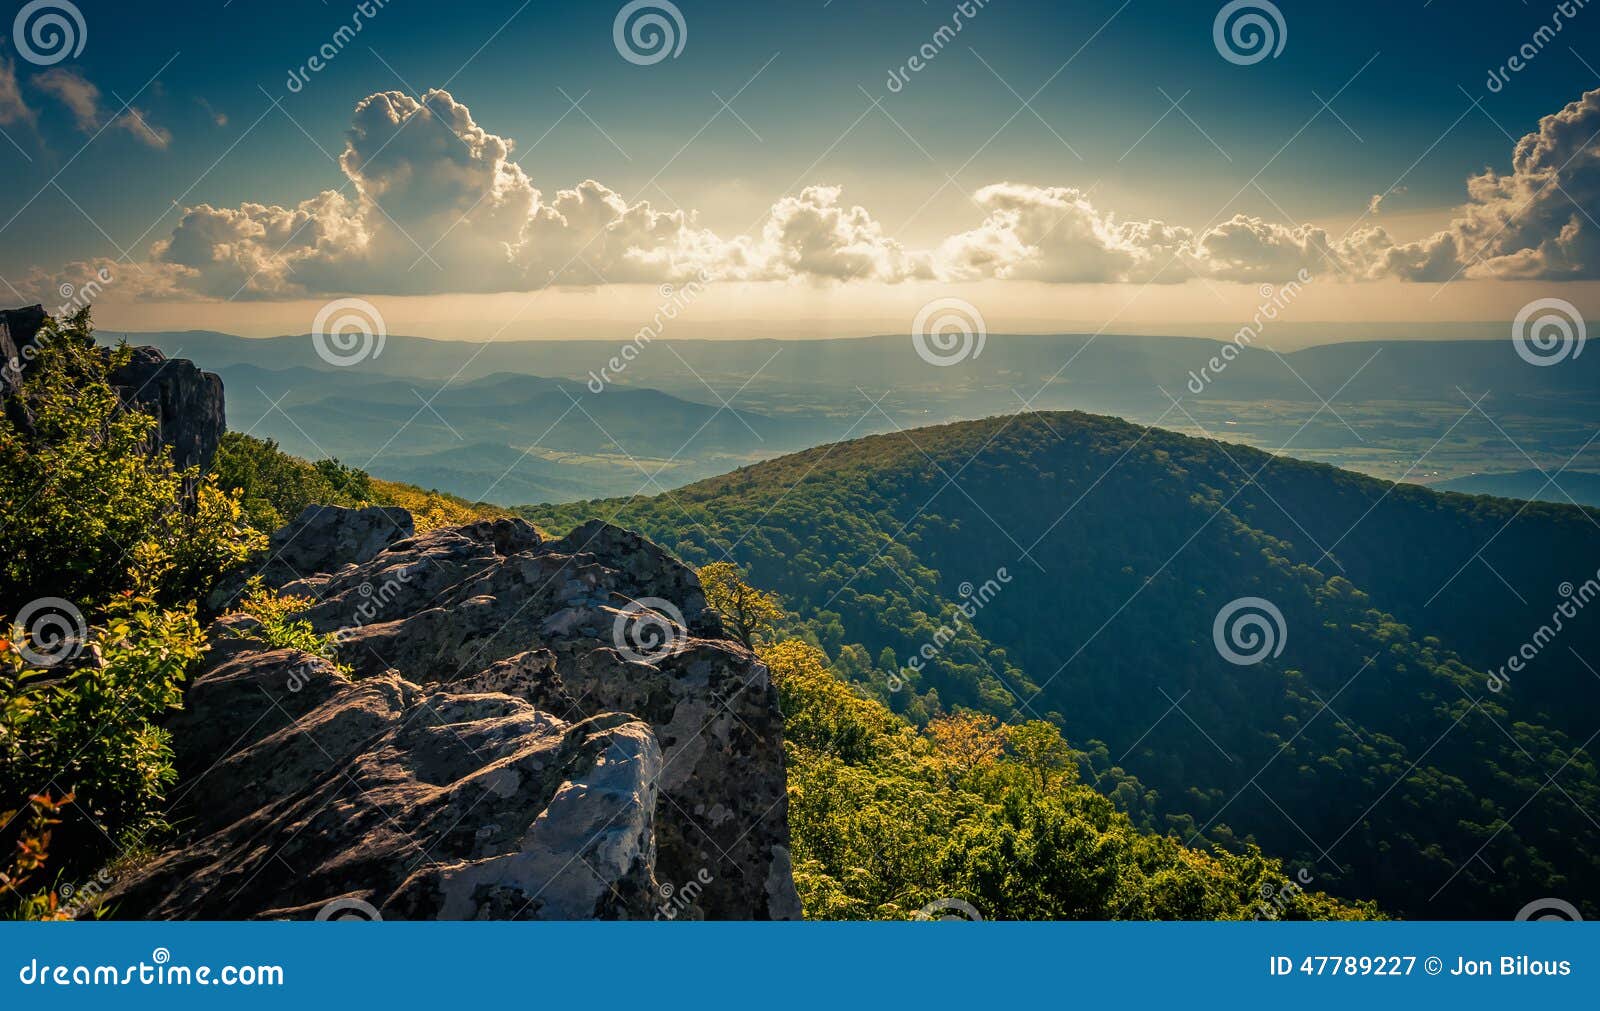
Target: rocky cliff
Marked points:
186	402
521	728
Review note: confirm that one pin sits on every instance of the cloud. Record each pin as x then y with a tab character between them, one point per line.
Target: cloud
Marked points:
12	107
82	98
432	202
1532	223
74	91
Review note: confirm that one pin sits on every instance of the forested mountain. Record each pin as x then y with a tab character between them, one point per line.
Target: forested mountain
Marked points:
1381	742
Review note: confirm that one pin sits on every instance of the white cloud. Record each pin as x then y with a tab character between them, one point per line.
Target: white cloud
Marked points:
435	203
1533	223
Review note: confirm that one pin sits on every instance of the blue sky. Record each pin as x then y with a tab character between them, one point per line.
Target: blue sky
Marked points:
1247	140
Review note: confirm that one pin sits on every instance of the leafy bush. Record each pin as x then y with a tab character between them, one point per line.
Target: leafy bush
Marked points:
87	508
94	512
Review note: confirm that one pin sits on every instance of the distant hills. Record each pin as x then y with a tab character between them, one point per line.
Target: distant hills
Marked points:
1094	557
455	415
1570	487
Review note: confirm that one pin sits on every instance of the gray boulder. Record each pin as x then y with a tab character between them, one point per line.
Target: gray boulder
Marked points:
523	729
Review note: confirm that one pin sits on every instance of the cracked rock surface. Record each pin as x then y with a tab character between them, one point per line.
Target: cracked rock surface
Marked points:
529	729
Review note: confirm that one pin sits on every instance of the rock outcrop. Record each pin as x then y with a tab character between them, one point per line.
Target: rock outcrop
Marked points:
186	402
521	728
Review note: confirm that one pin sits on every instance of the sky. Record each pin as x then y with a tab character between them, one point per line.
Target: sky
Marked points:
815	167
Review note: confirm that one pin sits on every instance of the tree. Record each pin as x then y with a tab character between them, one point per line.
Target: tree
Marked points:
750	614
1040	747
968	741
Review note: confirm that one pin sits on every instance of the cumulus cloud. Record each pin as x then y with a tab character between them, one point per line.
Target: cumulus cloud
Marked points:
1531	223
433	202
81	97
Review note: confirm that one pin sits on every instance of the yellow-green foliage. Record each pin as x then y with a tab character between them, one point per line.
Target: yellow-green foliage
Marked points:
94	512
275	487
885	820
